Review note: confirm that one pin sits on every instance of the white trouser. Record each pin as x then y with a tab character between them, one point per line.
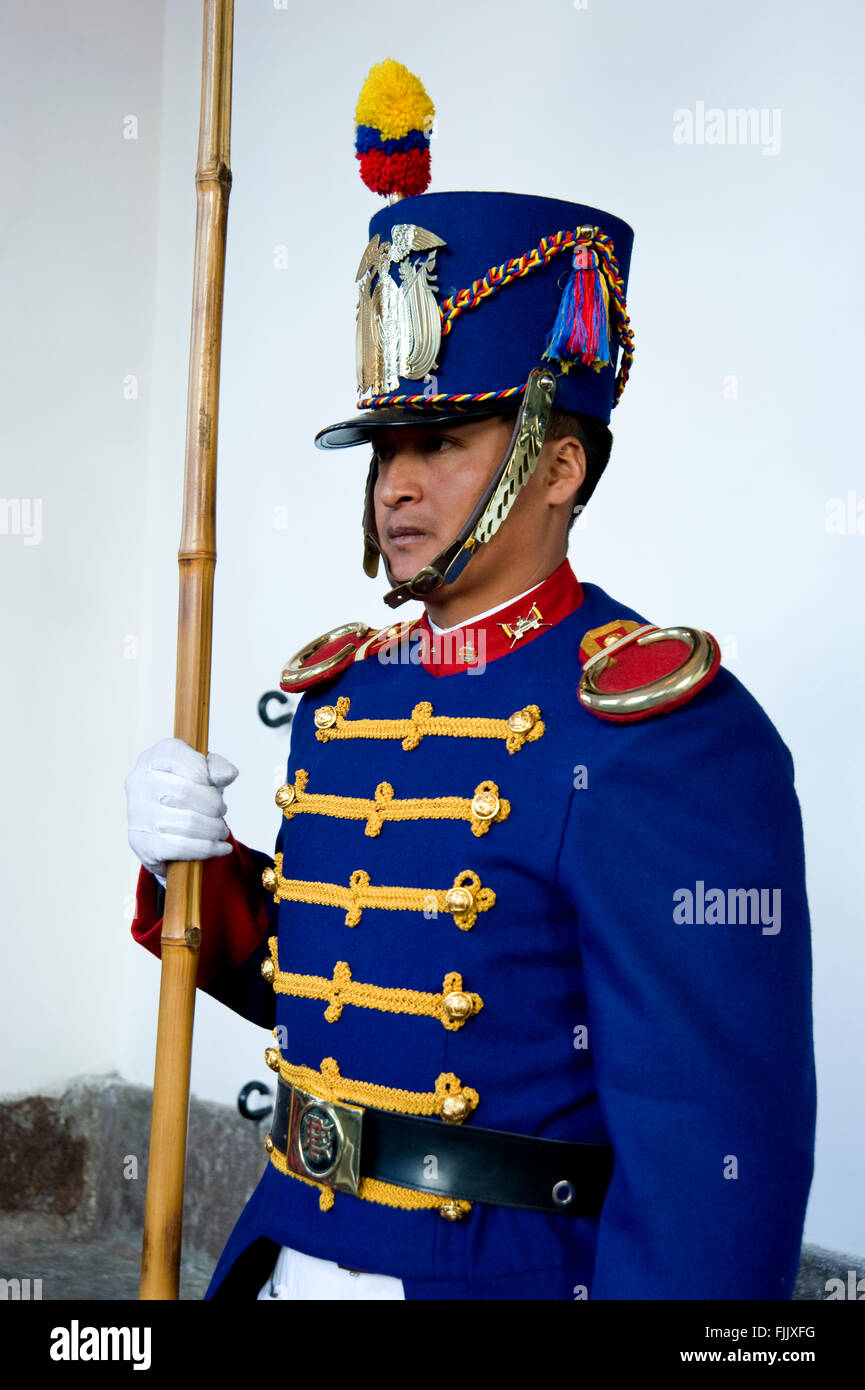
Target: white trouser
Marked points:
305	1277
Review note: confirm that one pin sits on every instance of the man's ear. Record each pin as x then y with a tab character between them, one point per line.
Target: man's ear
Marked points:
565	469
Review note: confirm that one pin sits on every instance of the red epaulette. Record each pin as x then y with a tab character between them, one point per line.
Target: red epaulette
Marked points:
636	670
332	653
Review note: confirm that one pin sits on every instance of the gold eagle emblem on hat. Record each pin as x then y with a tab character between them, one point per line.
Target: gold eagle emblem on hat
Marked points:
398	324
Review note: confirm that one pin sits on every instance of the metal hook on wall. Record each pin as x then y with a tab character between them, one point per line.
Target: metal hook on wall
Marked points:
253	1088
264	714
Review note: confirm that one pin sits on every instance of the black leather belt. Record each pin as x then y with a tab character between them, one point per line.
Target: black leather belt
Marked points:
338	1144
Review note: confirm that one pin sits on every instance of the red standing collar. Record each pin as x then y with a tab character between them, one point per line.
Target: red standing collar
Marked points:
516	623
470	646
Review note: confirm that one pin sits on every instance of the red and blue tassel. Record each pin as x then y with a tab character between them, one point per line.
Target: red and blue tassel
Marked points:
581	330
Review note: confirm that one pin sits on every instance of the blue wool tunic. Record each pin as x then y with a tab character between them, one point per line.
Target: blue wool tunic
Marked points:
634	993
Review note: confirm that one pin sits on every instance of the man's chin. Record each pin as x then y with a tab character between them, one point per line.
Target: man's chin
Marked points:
406	566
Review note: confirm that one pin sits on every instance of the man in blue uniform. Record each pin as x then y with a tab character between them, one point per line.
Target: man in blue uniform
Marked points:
534	942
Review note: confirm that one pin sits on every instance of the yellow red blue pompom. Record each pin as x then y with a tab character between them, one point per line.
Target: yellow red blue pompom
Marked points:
394	119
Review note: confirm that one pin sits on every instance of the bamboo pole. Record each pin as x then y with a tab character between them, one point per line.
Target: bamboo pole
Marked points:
181	929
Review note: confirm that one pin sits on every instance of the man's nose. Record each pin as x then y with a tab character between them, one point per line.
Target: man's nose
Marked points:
400	478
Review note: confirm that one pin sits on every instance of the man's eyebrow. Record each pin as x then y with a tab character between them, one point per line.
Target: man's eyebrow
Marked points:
423	436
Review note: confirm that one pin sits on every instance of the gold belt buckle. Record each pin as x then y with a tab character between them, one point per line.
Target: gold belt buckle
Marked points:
324	1141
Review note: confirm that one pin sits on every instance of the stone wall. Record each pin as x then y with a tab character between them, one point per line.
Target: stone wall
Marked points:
73	1182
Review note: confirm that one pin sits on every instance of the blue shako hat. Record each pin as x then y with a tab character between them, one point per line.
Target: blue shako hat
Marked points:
473	304
515	282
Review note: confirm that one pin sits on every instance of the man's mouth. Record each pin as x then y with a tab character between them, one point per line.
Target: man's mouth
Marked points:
401	537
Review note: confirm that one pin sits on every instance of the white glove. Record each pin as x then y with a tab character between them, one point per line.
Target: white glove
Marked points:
175	806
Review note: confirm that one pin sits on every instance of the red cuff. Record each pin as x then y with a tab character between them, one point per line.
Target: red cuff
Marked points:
234	911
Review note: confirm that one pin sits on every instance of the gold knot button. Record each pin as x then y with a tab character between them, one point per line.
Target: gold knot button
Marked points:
324	717
451	1211
271	1057
284	796
268	970
270	880
486	806
521	721
458	899
458	1005
268	1143
455	1109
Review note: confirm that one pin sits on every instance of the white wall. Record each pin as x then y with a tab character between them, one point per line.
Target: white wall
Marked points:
79	277
713	510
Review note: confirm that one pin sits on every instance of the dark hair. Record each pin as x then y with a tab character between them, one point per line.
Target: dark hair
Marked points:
597	441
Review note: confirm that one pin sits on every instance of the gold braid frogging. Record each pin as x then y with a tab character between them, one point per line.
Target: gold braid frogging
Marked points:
471	898
342	989
327	1084
386	807
372	1190
422	722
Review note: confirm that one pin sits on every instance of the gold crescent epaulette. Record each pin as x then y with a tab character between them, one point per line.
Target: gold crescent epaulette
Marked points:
636	670
332	653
